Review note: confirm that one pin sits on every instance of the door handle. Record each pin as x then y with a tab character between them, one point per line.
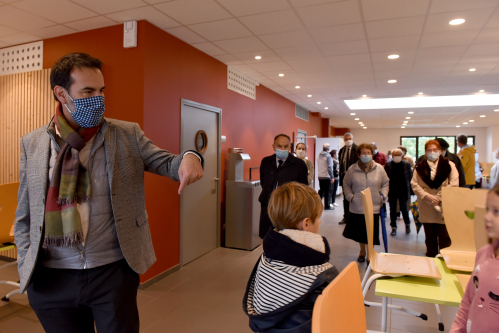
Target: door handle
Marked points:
217	179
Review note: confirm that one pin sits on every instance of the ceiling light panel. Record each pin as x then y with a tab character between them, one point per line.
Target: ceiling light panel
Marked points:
422	102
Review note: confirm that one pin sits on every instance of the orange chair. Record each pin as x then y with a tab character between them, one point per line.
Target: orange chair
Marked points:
340	308
8	206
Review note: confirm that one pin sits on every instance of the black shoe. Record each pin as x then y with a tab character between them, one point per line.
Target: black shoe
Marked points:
361	258
342	222
394	232
407	229
329	208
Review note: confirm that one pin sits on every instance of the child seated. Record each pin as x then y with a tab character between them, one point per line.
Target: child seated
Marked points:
293	269
479	309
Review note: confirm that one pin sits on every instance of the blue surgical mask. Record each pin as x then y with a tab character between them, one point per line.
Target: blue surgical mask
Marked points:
88	111
282	154
432	156
375	151
366	158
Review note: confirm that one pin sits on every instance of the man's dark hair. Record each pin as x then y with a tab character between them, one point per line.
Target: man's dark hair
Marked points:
284	135
61	71
462	139
444	144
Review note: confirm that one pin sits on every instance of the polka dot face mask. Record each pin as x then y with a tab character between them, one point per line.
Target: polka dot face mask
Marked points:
88	111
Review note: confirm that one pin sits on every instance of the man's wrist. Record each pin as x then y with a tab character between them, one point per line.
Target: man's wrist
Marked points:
193	153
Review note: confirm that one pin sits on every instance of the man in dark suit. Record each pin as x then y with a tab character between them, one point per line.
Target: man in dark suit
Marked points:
275	170
348	156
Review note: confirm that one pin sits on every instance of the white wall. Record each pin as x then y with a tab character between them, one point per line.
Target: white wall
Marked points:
389	138
492	142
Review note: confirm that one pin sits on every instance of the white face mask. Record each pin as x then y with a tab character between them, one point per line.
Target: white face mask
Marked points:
432	156
301	153
444	153
348	143
397	159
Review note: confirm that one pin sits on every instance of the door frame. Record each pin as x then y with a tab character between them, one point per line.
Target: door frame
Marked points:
188	103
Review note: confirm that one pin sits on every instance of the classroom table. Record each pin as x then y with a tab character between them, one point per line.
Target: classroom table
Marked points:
447	291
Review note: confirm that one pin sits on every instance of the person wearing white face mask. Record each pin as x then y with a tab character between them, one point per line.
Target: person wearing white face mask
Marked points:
364	174
347	157
431	174
276	170
301	153
400	174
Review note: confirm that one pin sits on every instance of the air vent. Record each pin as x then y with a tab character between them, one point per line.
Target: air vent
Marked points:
241	83
21	58
301	112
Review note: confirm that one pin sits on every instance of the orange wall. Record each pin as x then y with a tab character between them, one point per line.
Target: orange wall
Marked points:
146	85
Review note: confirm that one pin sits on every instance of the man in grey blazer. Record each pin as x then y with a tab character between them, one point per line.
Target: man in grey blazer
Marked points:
91	273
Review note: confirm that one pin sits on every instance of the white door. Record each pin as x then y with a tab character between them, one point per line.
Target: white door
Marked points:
200	202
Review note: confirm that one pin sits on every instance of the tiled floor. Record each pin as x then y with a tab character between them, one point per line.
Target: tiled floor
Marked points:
205	296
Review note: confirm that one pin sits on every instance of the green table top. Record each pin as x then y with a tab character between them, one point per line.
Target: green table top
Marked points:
447	291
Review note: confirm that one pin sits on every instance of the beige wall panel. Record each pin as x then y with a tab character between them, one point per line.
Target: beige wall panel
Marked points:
26	103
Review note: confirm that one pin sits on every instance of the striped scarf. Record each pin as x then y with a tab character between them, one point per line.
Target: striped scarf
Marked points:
69	185
276	284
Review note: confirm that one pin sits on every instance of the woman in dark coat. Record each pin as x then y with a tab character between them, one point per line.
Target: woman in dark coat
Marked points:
400	175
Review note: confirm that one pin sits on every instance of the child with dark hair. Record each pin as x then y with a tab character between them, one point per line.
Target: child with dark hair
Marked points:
294	268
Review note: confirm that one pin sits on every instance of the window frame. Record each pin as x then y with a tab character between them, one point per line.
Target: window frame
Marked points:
435	136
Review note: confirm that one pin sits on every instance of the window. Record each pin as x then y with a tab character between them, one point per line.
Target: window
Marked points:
415	144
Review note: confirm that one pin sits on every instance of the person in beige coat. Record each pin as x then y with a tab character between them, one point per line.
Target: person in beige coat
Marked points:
431	174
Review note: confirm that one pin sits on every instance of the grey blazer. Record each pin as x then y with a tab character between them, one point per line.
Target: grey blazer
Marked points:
128	154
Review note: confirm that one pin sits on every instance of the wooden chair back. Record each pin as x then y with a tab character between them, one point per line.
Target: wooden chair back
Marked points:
367	201
455	201
8	206
340	308
486	169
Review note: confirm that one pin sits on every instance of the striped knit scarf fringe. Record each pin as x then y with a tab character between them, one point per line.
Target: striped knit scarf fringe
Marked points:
365	167
69	186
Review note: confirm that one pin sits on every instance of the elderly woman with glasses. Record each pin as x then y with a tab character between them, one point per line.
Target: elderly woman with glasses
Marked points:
433	173
364	174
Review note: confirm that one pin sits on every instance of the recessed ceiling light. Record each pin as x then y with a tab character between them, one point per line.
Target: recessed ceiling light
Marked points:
393	56
410	112
309	95
364	95
406	121
465	123
352	114
471	120
422	102
420	93
402	126
481	90
297	87
357	118
482	116
364	127
281	74
258	57
458	126
496	110
457	21
392	81
318	102
472	69
360	122
407	117
326	108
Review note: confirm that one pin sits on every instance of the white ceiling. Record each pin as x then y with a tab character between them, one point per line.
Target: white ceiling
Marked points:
332	49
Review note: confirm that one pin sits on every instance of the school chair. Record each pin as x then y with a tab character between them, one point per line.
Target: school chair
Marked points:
340	308
8	206
456	201
391	265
